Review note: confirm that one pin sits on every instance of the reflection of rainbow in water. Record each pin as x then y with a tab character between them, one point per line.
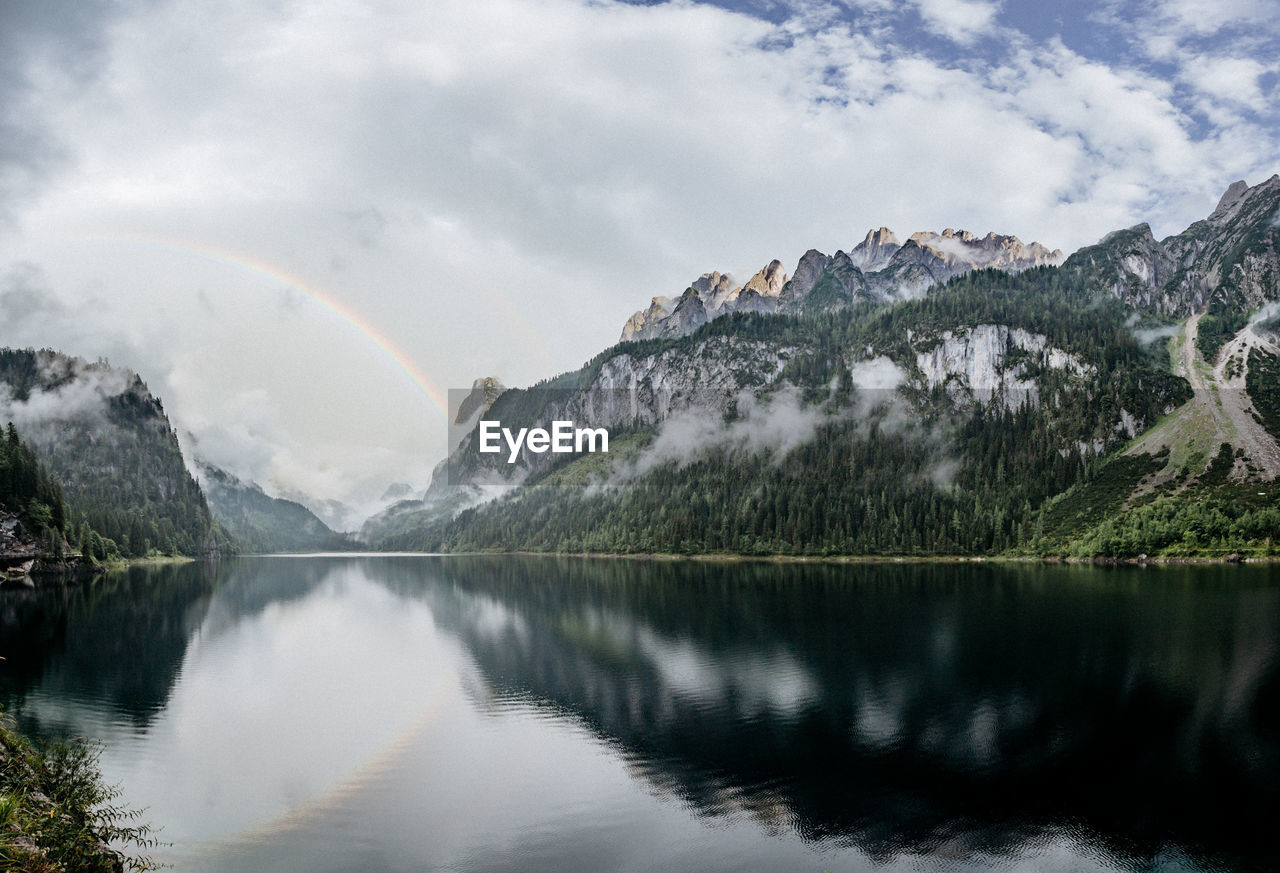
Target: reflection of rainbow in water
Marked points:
310	810
253	265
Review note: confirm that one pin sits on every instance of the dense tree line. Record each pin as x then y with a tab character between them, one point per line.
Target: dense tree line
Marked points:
28	490
1263	385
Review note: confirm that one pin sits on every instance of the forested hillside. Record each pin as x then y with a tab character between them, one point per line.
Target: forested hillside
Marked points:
1119	404
260	523
913	473
105	438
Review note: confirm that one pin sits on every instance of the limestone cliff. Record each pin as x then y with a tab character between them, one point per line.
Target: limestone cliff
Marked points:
877	268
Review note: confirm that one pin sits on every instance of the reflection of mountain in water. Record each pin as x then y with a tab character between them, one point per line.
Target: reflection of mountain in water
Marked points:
899	708
908	708
120	638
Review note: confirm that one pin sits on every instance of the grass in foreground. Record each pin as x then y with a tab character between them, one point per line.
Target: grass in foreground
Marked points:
56	813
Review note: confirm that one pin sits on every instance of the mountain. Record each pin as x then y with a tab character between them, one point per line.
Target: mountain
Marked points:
336	514
481	396
261	523
878	268
1224	266
950	394
105	438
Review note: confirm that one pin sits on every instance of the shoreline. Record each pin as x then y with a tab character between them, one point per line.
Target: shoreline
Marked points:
720	557
729	557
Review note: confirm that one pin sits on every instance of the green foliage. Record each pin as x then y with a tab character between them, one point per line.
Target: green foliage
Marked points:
1092	501
1216	329
57	814
1263	385
858	488
27	489
1205	515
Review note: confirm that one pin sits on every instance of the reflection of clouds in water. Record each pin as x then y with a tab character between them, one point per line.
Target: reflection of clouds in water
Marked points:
878	723
300	695
492	619
755	682
982	734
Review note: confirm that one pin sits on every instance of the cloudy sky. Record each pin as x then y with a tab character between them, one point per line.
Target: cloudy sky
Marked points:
302	222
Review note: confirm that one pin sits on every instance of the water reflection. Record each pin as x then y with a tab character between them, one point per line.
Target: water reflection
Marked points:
907	708
117	644
524	713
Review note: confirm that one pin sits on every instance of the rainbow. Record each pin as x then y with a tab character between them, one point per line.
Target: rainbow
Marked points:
253	265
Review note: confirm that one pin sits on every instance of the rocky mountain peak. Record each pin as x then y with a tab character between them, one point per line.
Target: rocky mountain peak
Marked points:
1234	194
875	250
483	392
878	268
1222	261
712	285
769	281
963	249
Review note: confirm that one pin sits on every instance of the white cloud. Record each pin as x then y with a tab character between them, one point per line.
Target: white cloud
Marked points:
961	20
1228	79
877	374
1190	17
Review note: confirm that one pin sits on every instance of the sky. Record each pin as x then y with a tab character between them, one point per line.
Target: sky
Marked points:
304	222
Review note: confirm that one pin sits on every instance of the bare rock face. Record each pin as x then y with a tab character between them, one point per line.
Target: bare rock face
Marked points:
483	392
713	289
17	546
769	281
645	323
709	296
811	267
983	363
963	251
689	315
875	250
1231	198
1232	256
878	268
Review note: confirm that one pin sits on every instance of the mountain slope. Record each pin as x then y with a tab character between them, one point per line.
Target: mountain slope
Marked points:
1048	409
106	439
35	521
260	523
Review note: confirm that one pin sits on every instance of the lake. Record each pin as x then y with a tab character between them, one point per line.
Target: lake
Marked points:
410	713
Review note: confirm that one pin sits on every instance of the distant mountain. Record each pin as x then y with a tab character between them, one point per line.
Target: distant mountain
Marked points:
879	268
339	516
950	394
1224	266
396	491
105	437
261	523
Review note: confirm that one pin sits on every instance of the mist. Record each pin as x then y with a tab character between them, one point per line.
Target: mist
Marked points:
84	397
777	423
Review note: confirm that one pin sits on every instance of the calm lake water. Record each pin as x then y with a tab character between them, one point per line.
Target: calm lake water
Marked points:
525	714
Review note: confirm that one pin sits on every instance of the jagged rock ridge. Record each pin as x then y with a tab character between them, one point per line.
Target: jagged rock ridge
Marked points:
1228	256
877	268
